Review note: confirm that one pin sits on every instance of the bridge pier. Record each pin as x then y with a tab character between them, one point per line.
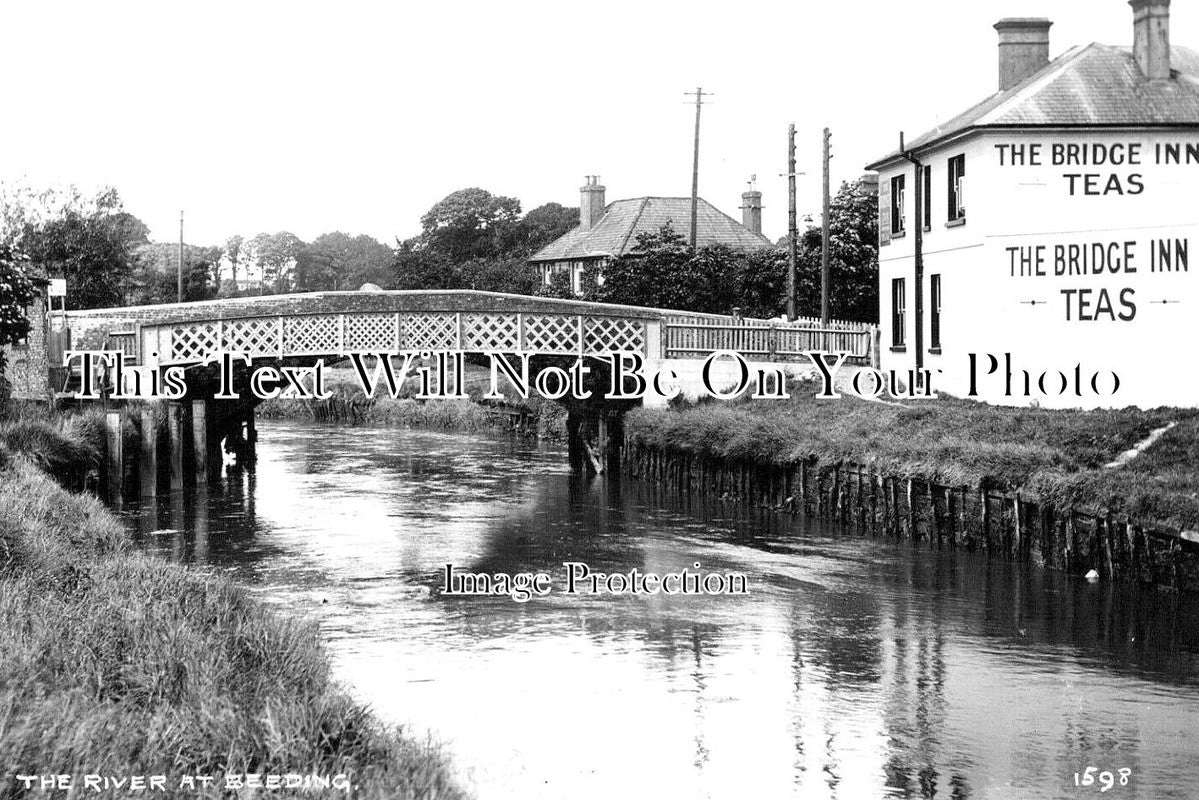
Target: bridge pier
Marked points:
594	437
147	463
230	429
114	464
151	447
201	445
175	445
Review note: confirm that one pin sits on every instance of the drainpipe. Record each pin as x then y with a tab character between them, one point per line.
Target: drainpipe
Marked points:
919	256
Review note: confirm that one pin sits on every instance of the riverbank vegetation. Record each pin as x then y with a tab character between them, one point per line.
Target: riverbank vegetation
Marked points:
1052	454
118	662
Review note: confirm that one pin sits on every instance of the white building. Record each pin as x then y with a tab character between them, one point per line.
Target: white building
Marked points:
1050	228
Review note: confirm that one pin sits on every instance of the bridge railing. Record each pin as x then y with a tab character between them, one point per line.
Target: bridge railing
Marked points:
316	334
688	336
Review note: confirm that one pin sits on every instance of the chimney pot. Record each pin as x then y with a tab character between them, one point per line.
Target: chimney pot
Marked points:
1023	48
591	202
1151	37
751	210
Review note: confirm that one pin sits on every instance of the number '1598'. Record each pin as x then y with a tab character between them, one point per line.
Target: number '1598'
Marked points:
1106	780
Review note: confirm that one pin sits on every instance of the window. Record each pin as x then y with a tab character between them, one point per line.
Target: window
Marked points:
897	205
934	318
957	187
898	312
927	188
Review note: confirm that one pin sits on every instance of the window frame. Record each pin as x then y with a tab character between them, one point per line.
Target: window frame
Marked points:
898	223
899	313
934	312
927	222
955	175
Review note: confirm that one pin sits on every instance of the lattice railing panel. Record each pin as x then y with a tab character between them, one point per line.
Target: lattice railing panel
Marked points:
430	332
491	332
315	334
605	334
370	332
546	333
194	341
254	337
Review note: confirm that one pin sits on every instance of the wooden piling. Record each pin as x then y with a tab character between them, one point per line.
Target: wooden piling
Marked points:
200	445
175	443
984	501
115	468
913	530
148	457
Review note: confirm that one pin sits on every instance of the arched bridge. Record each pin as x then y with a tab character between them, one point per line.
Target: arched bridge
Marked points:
335	323
305	327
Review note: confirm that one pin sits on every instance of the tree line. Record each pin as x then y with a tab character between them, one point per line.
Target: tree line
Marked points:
469	239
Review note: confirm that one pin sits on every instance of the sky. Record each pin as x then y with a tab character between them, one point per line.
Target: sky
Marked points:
357	116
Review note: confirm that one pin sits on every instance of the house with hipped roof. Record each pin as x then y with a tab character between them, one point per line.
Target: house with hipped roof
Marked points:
609	230
1035	248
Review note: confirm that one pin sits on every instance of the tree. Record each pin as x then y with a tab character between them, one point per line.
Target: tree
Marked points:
544	224
339	261
853	258
16	294
662	271
22	205
471	223
275	254
233	252
93	248
416	267
654	273
559	286
155	274
513	275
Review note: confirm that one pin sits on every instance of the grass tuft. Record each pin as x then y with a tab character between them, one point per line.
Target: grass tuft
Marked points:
1055	454
118	661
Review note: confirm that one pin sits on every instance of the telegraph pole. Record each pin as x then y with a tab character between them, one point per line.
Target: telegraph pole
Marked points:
699	102
179	276
792	228
824	288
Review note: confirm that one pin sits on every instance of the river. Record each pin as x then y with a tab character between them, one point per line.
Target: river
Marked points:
855	667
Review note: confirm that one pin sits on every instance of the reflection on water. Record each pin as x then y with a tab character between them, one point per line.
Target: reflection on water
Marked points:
856	667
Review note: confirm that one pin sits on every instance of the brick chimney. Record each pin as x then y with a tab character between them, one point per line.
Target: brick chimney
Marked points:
1151	37
751	210
1023	48
591	203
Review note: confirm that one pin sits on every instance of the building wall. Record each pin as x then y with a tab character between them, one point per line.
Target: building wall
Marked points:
1113	321
26	365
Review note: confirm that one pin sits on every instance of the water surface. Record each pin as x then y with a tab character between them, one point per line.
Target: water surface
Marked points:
856	667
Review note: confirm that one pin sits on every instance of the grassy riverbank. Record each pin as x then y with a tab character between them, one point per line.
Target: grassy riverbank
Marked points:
121	663
1052	454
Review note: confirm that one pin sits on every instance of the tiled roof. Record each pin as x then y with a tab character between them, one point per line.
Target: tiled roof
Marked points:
1095	85
616	232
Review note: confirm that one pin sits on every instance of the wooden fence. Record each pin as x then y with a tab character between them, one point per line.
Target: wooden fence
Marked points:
697	335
